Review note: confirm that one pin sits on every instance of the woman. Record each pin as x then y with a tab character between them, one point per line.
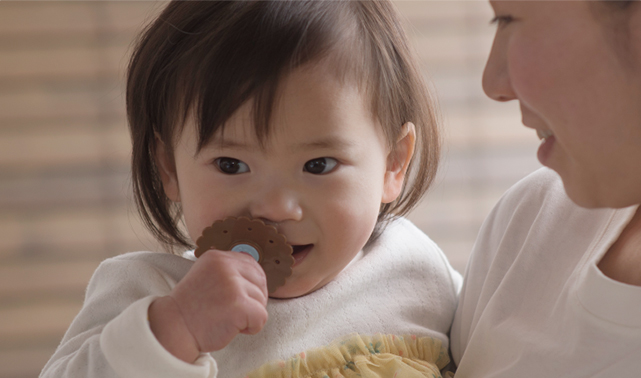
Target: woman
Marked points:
553	287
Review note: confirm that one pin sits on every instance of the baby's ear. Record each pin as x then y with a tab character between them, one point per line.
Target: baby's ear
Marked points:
397	162
167	169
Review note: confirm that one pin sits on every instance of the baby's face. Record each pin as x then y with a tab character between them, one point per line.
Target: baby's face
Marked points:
320	179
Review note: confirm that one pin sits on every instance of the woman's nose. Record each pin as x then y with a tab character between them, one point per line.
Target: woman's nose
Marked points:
275	204
496	77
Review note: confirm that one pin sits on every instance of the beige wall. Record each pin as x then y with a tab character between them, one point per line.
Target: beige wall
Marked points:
64	152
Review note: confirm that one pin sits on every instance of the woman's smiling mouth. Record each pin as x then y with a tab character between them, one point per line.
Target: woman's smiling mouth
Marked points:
543	134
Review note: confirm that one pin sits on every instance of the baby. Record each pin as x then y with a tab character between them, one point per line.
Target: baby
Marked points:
312	117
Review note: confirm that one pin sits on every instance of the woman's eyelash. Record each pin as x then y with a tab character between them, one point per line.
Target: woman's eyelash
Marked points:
501	20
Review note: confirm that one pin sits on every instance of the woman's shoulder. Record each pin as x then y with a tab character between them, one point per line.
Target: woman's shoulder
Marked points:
538	200
539	187
538	197
534	218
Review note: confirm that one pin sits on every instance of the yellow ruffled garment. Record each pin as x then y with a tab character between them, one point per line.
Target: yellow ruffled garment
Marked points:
356	355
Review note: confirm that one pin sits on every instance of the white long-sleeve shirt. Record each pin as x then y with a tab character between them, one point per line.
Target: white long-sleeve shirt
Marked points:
401	285
534	303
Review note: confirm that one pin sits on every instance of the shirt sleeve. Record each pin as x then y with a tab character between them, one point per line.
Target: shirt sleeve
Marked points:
111	336
132	350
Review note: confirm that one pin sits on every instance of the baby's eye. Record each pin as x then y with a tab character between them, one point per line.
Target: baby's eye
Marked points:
320	166
231	166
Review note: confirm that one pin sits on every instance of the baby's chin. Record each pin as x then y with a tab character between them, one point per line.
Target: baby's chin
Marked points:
296	290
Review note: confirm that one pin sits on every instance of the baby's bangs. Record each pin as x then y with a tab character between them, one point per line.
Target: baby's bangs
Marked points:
261	43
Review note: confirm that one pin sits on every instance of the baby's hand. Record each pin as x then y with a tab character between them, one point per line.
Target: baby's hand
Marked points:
222	295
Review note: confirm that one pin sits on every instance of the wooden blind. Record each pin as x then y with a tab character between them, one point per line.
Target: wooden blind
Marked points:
65	194
64	165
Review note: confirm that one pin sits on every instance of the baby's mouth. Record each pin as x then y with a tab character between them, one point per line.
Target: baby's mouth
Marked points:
300	252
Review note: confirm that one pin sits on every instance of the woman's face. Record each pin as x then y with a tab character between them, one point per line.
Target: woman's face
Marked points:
577	77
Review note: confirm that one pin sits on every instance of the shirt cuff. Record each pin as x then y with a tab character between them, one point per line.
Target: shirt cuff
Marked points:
132	349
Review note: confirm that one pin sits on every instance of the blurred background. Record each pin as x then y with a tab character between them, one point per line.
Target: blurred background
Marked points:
65	192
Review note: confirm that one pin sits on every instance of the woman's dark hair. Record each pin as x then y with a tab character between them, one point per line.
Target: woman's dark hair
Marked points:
204	59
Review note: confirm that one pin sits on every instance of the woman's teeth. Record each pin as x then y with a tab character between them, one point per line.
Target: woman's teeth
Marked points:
544	134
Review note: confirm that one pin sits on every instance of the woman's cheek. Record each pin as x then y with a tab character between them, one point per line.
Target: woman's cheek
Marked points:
525	69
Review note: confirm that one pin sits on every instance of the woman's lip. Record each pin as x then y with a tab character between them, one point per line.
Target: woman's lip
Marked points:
300	254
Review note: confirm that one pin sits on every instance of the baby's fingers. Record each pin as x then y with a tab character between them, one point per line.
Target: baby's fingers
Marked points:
255	320
254	274
257	292
247	316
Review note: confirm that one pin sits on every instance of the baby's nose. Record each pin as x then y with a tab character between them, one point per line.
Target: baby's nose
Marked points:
276	204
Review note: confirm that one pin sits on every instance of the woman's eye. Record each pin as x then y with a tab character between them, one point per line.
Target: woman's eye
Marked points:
501	20
320	166
231	166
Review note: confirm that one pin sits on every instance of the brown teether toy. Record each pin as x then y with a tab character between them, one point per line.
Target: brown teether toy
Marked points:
255	238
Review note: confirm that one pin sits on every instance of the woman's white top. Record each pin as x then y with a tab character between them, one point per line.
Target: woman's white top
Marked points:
534	303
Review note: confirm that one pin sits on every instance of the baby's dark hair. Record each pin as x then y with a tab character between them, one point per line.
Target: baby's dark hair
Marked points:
205	59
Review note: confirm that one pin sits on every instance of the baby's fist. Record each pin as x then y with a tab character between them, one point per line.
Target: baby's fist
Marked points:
223	294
